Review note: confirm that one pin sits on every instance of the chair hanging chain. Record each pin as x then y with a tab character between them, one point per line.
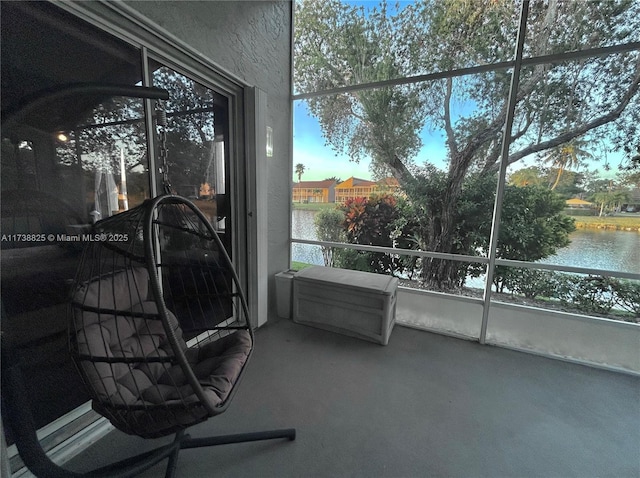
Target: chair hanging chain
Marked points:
161	121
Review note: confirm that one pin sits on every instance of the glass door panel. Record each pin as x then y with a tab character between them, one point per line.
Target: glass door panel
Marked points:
65	164
197	145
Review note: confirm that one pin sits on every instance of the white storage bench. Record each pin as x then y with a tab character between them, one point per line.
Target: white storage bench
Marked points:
355	303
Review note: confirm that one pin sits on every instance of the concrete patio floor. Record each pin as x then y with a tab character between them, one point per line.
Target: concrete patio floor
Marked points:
425	405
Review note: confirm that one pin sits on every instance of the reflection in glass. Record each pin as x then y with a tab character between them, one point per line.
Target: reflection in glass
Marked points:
196	135
51	159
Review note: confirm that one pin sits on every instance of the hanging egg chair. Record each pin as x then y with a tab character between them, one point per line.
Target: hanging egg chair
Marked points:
160	328
152	278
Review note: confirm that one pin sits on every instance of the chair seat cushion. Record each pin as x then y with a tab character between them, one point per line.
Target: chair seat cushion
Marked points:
217	365
169	403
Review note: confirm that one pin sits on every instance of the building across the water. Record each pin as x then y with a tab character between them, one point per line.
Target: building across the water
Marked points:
330	191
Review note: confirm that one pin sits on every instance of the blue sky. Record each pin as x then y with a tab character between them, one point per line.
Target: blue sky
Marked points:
320	161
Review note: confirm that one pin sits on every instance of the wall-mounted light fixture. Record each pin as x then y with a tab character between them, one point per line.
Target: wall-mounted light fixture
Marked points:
269	142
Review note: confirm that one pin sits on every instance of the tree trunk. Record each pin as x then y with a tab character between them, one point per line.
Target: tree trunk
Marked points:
555	184
443	274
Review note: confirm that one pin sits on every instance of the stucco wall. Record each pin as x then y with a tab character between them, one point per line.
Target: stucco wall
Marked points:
252	41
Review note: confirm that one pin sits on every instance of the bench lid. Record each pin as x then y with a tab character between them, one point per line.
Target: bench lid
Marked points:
345	278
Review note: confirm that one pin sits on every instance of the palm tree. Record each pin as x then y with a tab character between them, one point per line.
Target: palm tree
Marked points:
526	177
567	156
611	198
603	199
300	171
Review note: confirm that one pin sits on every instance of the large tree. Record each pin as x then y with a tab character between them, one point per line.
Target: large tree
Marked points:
595	99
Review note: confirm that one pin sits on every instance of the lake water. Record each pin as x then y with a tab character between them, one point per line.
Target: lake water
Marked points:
591	248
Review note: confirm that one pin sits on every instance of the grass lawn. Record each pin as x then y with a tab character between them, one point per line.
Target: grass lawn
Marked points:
298	266
628	223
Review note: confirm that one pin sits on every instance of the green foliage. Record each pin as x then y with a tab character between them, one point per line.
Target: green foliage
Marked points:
597	295
569	183
298	266
566	156
610	199
531	283
328	225
630	178
355	260
627	294
532	227
590	100
600	294
530	176
532	224
338	45
588	294
471	219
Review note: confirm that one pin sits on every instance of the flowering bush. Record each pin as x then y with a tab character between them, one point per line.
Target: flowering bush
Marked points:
370	221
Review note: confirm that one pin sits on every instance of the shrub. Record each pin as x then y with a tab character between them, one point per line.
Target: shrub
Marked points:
591	294
580	212
595	294
627	295
531	283
370	222
328	224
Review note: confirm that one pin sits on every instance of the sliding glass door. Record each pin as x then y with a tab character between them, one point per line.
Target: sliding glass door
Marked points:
78	158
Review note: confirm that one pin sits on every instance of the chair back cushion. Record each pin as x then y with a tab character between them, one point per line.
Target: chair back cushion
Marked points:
116	321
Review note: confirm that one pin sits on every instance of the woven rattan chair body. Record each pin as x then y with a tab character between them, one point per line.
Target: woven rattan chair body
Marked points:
159	326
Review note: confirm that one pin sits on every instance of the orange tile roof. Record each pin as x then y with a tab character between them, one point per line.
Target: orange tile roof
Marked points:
314	184
353	182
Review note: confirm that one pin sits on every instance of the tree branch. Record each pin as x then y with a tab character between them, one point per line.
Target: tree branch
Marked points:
585	127
523	130
400	170
451	139
497	124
